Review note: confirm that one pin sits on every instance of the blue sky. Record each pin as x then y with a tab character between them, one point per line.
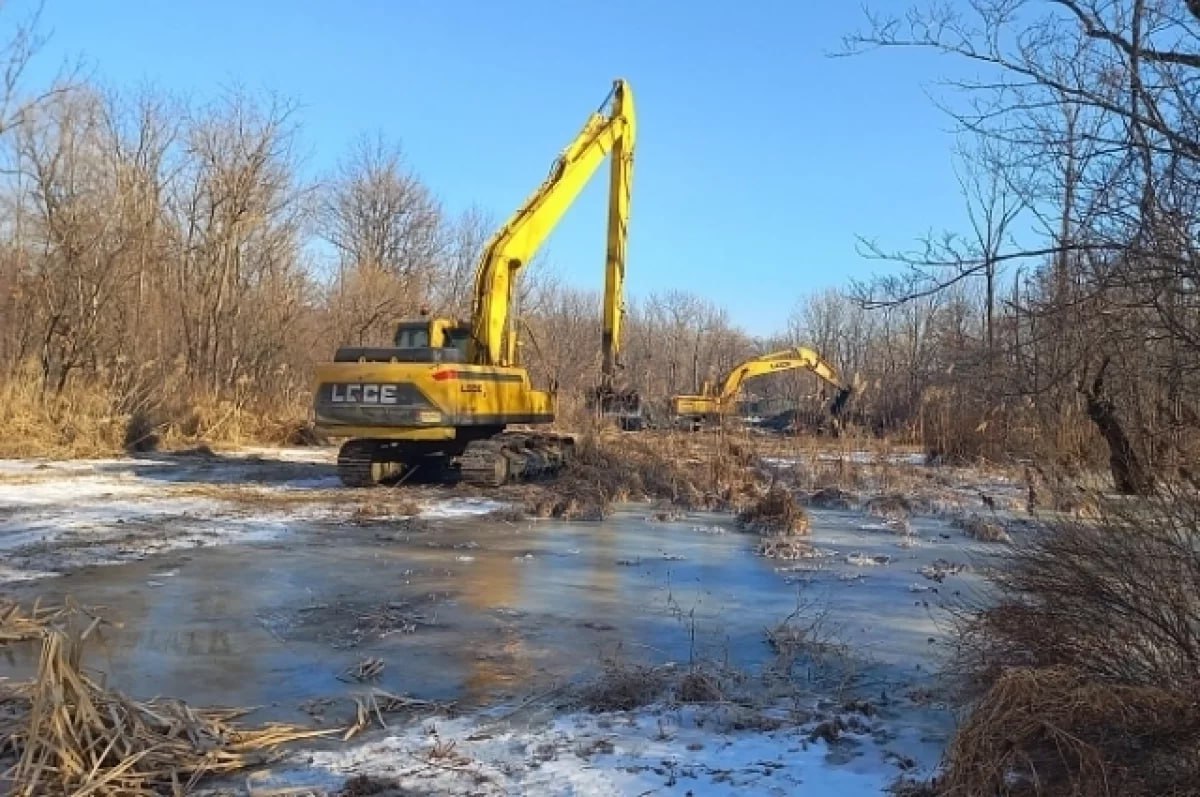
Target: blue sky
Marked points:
759	158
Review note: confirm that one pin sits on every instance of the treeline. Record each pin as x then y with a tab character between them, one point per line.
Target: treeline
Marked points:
172	260
168	266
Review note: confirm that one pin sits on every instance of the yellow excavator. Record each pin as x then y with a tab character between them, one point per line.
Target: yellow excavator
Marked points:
437	404
712	406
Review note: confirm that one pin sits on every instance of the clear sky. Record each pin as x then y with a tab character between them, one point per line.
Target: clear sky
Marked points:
759	158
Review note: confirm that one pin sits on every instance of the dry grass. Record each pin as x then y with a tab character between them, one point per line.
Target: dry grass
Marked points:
698	686
624	687
775	514
673	468
71	737
20	625
1060	731
1083	675
98	419
982	528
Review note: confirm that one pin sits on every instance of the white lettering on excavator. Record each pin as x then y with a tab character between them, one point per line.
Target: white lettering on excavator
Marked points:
363	394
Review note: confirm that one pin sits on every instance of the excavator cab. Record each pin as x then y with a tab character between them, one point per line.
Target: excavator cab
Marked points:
436	340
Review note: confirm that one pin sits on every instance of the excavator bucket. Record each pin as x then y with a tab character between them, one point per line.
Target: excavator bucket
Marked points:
621	406
838	406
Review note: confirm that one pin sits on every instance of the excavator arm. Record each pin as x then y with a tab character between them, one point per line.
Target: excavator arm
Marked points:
611	130
712	403
785	360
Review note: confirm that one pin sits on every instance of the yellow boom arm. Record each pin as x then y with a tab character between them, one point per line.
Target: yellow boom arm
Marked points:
711	402
609	130
786	360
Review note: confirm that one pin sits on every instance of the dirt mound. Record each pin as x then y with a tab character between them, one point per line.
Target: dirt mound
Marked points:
672	471
366	786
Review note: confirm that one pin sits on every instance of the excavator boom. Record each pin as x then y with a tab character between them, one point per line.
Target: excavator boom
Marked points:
512	247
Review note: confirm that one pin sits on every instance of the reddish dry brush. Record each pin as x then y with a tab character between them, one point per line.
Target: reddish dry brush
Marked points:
1085	674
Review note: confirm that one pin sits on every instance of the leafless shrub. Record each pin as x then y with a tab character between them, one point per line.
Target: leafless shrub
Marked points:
623	687
1086	668
698	686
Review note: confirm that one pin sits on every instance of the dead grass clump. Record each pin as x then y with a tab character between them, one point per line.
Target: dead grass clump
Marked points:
666	513
508	514
71	737
624	687
371	513
982	528
699	687
606	471
776	513
889	506
1060	731
786	548
1088	661
831	498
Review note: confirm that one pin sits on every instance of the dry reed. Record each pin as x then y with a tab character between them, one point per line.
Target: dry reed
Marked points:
71	737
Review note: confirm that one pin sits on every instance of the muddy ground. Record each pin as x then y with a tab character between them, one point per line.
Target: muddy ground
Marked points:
251	578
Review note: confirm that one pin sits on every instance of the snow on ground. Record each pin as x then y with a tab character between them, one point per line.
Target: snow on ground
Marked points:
460	507
655	750
856	457
58	516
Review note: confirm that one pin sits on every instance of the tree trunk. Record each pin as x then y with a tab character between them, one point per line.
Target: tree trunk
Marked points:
1130	474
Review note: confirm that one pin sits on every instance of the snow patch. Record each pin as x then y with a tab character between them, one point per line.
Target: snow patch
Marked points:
460	507
653	750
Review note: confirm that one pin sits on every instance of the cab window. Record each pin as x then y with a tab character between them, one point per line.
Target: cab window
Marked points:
412	338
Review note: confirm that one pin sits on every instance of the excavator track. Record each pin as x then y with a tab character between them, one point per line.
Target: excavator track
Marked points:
361	463
514	457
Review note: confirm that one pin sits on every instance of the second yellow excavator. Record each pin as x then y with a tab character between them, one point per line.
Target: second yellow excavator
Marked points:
712	406
439	402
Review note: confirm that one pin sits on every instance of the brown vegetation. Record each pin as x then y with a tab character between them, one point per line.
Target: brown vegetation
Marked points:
624	687
70	736
1084	674
775	514
674	468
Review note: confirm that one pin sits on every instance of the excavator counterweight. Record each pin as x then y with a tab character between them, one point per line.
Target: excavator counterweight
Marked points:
439	403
